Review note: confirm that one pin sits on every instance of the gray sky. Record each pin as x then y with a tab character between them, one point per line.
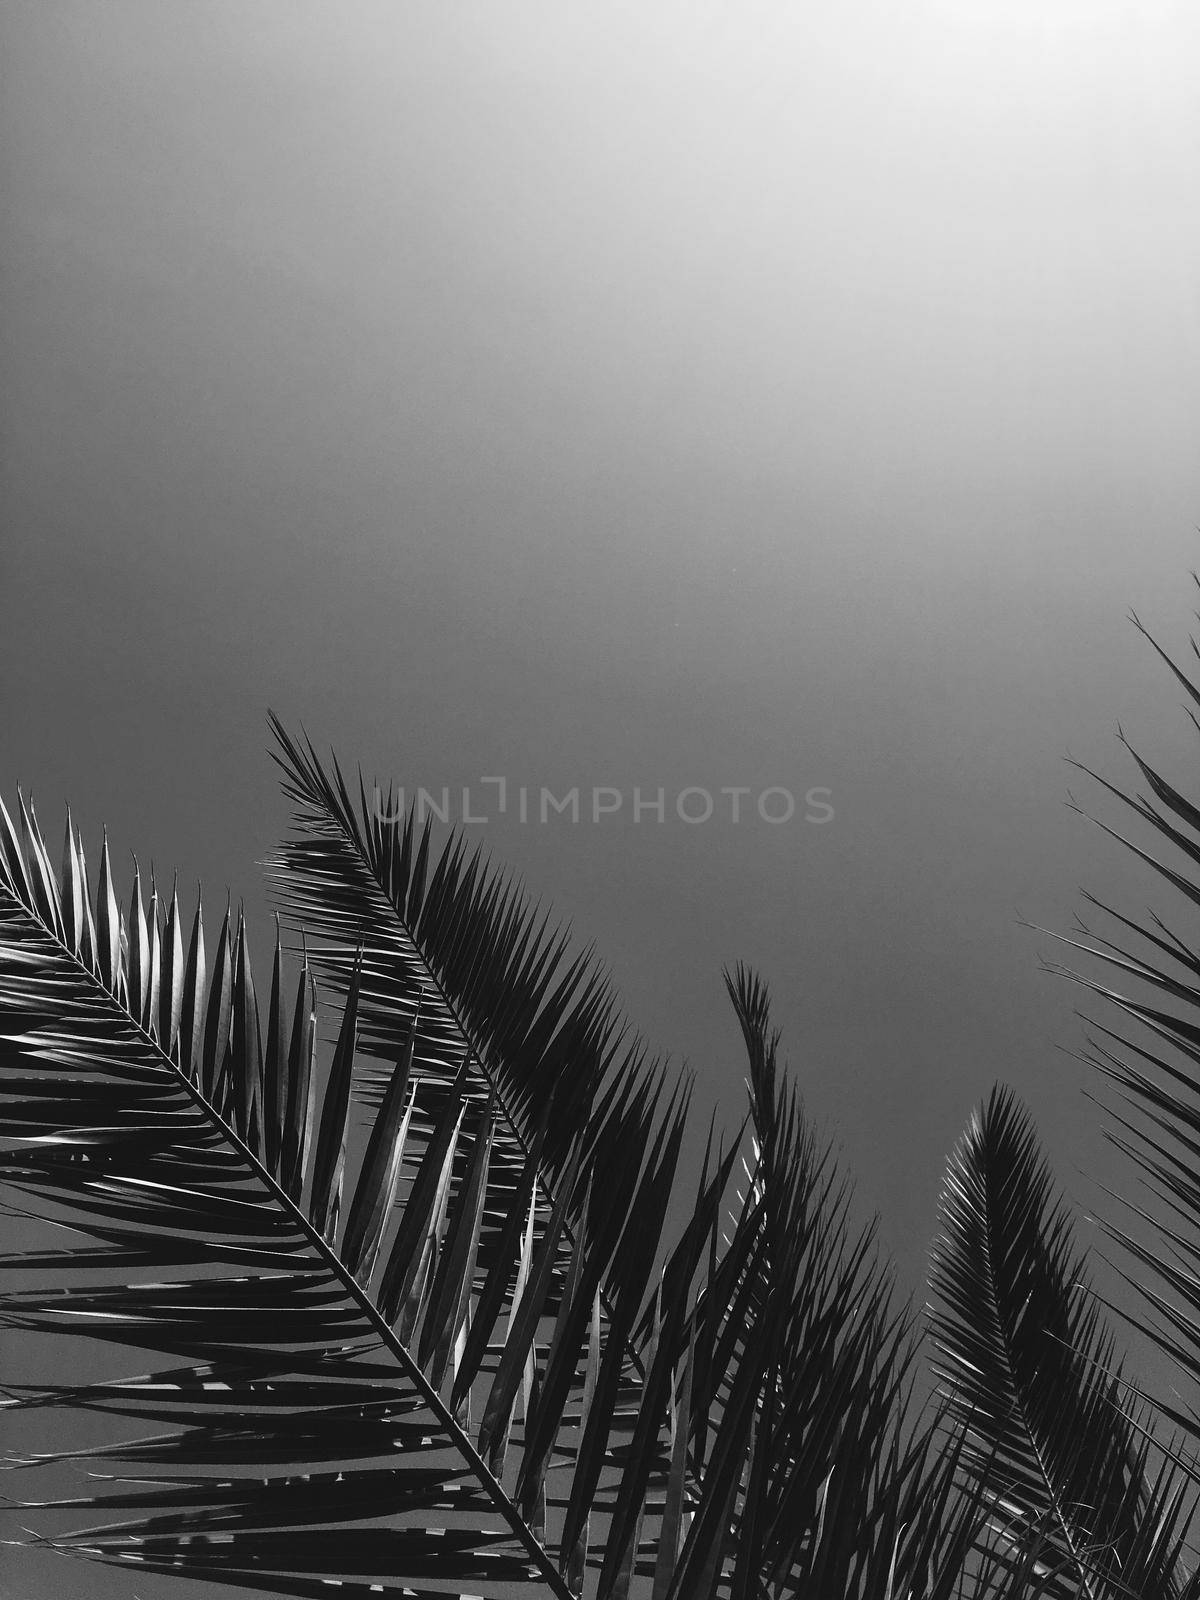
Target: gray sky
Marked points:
629	394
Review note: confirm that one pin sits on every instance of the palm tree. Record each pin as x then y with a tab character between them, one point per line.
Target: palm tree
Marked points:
427	1326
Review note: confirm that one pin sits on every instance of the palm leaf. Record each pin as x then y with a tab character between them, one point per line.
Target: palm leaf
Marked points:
450	947
1147	972
108	1137
1029	1369
296	1273
454	944
811	1474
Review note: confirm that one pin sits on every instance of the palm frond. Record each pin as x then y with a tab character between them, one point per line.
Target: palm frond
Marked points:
1030	1372
1146	970
814	1476
501	1005
113	1135
400	1328
453	943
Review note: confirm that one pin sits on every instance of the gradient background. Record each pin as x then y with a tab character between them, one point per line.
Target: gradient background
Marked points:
611	394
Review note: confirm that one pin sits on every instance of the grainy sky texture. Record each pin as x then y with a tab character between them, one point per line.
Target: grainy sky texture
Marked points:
648	394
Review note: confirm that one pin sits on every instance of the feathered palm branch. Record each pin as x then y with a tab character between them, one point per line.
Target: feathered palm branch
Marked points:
1030	1372
1147	971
